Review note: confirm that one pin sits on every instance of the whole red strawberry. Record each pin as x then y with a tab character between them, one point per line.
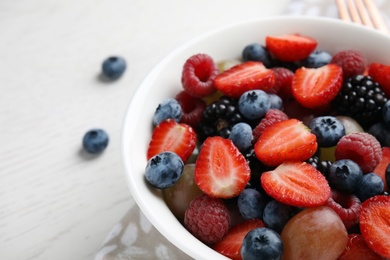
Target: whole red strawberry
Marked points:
290	47
380	73
207	219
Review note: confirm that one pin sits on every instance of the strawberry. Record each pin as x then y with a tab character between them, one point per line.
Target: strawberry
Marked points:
296	184
380	73
375	224
357	249
221	170
290	47
230	245
317	87
244	77
380	169
172	136
288	140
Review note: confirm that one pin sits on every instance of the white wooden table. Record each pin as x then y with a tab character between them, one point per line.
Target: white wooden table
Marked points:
56	201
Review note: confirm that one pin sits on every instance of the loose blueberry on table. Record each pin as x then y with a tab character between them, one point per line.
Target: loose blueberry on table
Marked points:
294	137
113	67
95	141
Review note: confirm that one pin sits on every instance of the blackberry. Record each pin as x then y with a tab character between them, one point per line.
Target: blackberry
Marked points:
219	117
362	99
321	165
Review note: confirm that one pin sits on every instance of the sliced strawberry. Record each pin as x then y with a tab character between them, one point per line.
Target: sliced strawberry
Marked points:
221	170
230	246
317	87
375	224
172	136
290	47
297	184
243	77
357	249
380	169
381	74
288	140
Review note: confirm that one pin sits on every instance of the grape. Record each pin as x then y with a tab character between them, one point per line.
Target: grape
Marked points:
314	233
350	124
179	196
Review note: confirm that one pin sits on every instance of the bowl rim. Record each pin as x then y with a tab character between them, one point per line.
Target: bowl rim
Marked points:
143	89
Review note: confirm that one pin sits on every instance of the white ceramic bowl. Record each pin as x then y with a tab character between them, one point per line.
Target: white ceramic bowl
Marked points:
164	81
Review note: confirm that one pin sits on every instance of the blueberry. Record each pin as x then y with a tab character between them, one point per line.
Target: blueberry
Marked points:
386	113
168	108
251	204
253	104
381	132
344	175
276	101
317	59
370	185
328	130
276	215
95	141
256	52
262	243
164	169
387	175
241	136
113	67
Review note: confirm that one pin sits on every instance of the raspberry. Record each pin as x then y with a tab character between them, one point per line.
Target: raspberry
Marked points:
352	62
192	108
207	219
362	148
198	75
272	116
283	81
347	206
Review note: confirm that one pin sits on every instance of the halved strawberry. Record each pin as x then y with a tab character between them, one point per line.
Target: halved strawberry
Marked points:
288	140
290	47
317	87
380	169
243	77
221	170
375	224
172	136
357	249
381	73
230	246
297	184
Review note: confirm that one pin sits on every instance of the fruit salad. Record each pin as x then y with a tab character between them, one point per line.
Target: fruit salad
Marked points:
284	153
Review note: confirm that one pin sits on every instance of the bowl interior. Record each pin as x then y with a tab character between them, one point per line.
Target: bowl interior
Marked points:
225	43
